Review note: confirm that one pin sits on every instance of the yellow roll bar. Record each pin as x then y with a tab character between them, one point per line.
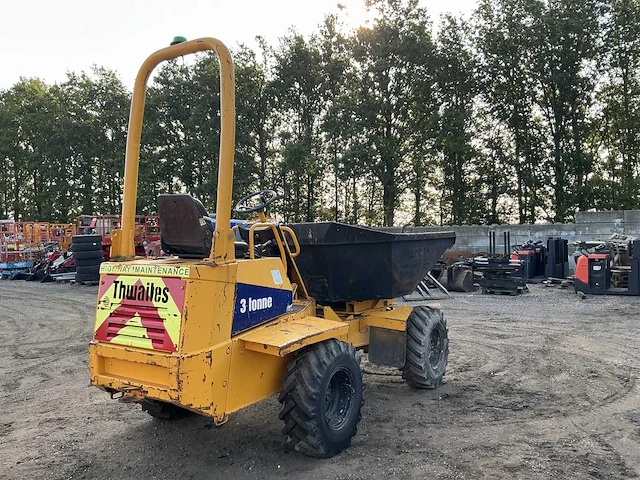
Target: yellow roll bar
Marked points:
294	238
223	248
252	229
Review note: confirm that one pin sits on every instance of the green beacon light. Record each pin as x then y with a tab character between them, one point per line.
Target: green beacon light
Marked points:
178	39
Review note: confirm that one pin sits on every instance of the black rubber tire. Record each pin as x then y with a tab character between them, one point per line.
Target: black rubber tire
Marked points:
88	270
86	247
323	385
88	263
91	255
86	239
163	410
427	348
83	277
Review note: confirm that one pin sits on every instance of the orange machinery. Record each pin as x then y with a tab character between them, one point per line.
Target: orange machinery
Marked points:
147	230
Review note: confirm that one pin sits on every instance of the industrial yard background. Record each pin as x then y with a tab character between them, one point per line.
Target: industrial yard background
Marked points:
589	226
542	385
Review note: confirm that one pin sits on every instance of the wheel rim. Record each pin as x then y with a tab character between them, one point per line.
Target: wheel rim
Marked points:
435	348
339	398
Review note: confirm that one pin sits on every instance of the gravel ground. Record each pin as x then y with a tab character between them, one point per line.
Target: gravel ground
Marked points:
543	385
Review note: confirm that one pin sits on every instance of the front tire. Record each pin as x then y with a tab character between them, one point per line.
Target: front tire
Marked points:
322	398
427	348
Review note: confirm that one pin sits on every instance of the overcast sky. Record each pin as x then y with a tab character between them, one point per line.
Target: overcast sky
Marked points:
46	38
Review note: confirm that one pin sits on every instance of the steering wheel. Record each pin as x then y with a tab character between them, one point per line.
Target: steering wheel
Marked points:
267	197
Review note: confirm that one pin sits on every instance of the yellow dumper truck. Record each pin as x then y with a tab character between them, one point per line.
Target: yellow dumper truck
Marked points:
236	314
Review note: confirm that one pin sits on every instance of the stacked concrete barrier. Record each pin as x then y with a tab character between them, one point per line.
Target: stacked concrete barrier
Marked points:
589	226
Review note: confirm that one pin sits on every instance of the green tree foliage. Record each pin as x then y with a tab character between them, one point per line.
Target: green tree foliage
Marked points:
505	41
562	61
390	58
337	76
36	184
456	94
616	182
255	121
93	131
527	111
297	88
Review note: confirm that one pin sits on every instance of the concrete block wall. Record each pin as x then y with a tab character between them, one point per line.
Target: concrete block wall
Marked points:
589	226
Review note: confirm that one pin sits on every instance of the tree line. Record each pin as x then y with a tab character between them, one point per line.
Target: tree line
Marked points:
528	110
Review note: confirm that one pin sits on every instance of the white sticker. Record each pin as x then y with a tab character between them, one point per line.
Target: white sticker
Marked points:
277	278
203	222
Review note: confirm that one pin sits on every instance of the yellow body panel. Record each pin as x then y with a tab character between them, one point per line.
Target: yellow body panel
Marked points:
284	337
208	307
197	376
136	371
261	271
384	314
253	376
204	381
356	335
390	318
197	381
213	372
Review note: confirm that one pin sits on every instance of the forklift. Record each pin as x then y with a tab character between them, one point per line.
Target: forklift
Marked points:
610	268
226	320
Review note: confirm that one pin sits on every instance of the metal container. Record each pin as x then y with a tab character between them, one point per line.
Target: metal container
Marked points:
344	263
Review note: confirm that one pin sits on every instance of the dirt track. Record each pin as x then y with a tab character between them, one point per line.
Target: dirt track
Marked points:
544	385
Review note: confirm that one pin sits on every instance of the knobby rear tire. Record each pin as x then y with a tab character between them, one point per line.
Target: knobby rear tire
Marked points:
322	398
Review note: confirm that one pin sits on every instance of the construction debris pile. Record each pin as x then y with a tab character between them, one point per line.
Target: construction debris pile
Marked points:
47	252
611	267
27	247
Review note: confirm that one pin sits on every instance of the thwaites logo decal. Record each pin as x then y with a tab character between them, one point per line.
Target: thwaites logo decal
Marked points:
142	312
256	304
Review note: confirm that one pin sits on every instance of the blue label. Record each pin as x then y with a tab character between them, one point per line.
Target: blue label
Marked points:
256	304
24	264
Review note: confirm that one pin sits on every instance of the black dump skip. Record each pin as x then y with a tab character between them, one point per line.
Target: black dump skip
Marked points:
343	263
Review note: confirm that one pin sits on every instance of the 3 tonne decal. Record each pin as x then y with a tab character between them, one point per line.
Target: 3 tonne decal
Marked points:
256	304
140	311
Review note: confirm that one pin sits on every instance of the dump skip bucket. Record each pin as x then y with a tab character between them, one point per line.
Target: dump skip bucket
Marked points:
344	263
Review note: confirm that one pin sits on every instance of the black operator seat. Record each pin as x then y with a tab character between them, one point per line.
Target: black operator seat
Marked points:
186	229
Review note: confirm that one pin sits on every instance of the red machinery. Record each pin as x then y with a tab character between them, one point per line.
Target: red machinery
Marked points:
147	230
25	241
21	243
612	268
533	257
61	233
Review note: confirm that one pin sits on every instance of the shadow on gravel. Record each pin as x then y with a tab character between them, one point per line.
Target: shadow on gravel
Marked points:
249	445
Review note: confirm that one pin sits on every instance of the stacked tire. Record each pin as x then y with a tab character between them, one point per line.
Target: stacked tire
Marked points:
87	253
